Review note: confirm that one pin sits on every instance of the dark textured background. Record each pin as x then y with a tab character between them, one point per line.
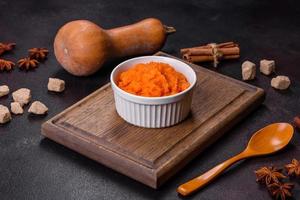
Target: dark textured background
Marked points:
32	167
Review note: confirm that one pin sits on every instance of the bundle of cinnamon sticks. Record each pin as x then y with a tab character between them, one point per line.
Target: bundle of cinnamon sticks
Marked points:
211	52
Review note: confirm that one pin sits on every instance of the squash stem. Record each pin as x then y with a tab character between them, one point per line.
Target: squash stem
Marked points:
169	29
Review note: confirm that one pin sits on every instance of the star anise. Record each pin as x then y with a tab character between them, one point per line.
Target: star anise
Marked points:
281	190
27	63
38	53
6	65
268	175
6	47
293	169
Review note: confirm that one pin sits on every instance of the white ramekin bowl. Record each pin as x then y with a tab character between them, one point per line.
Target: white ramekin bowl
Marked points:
153	112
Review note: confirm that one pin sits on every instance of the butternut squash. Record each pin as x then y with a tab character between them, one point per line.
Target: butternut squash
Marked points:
82	47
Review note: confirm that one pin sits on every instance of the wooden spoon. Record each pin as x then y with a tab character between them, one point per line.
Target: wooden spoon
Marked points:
267	140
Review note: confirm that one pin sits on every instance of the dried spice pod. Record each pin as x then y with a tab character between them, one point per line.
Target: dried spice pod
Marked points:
6	65
269	175
27	63
293	169
281	190
4	47
39	54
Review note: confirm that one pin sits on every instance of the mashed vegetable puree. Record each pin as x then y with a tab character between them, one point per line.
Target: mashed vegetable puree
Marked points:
153	79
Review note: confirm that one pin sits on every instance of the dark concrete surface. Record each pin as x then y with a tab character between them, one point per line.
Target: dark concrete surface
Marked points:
32	167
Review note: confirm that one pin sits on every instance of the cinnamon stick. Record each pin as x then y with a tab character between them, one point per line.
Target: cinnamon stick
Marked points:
207	58
226	44
224	51
185	50
208	46
211	52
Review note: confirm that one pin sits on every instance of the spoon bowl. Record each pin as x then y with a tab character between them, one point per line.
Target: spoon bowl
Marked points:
270	139
267	140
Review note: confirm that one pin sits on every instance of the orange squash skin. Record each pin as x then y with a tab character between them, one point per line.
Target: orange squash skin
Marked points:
82	47
144	37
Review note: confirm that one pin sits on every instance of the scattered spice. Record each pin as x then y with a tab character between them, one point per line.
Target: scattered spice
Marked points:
297	122
269	175
293	169
281	190
39	54
6	65
27	63
211	52
272	179
31	62
4	47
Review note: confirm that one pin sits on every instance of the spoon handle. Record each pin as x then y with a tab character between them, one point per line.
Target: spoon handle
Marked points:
200	181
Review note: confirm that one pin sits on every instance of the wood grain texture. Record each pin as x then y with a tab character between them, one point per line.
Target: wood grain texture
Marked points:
93	128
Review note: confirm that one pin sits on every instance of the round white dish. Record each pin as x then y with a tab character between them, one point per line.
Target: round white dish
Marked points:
153	112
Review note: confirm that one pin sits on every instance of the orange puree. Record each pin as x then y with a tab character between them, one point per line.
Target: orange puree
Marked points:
153	79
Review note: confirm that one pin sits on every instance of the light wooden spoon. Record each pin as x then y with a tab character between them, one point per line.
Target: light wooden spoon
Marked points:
267	140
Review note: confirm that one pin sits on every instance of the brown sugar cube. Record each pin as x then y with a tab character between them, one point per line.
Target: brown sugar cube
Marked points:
23	96
267	67
248	70
4	90
16	108
38	108
5	115
280	82
56	85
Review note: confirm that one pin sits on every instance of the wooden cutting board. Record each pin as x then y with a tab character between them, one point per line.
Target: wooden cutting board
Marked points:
93	128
